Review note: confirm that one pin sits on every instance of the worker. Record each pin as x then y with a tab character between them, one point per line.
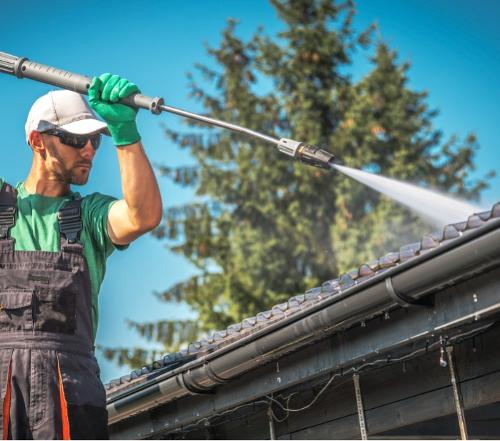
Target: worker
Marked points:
53	250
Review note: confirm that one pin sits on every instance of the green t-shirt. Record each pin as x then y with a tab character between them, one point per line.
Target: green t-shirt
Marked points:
37	229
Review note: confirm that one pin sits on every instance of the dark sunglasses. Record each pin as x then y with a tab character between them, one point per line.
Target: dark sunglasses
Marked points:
76	141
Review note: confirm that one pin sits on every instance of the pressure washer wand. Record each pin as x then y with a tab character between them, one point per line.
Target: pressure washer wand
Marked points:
24	68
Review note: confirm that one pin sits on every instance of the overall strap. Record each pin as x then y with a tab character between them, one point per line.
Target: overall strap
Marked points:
8	200
70	222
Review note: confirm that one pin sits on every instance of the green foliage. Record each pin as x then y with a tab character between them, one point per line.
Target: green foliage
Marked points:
268	227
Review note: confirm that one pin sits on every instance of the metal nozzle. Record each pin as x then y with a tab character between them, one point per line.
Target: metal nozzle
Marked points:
312	155
309	154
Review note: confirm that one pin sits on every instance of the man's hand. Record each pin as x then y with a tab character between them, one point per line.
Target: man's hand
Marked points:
104	93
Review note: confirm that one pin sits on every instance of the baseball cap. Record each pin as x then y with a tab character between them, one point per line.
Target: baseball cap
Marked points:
65	110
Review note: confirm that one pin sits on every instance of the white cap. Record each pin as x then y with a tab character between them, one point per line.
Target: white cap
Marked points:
65	110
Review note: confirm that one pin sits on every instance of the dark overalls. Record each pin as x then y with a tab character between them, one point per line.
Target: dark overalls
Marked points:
49	377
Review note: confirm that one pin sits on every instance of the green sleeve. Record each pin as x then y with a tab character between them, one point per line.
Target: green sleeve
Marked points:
95	209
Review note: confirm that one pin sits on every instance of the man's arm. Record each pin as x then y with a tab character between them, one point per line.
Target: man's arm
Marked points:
141	208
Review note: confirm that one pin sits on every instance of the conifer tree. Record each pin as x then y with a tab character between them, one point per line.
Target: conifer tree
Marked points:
267	227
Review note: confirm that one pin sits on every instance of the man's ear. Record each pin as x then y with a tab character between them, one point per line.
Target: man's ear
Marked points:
36	142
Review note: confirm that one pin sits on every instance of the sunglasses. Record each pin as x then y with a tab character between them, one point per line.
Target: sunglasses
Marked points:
76	141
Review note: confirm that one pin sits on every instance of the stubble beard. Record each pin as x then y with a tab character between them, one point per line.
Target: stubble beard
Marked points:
79	176
73	175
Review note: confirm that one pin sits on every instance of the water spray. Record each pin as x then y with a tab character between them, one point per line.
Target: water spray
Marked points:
24	68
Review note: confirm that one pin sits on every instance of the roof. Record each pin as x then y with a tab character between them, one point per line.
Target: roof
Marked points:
302	303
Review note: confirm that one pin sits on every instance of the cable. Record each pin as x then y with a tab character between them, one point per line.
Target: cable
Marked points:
273	415
229	411
386	360
287	409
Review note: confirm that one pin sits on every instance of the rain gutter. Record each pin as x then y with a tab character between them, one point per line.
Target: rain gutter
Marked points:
475	251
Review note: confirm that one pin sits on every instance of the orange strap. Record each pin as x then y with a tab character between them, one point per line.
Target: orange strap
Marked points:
6	404
64	405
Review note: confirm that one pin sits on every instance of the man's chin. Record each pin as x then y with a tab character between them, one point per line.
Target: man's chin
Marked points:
80	180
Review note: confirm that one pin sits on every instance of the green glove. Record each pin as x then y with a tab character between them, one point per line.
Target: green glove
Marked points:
104	93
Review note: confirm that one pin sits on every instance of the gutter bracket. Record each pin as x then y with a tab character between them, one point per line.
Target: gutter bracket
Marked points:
191	388
212	375
457	394
359	404
404	300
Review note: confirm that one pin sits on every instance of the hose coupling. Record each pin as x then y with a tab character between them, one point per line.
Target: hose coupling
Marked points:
309	154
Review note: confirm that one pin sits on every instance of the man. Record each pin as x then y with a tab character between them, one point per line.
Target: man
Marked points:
53	250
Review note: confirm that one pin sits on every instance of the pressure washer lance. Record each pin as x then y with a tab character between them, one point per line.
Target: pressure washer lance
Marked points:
24	68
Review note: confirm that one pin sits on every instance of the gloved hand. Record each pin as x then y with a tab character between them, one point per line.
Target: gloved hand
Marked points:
104	93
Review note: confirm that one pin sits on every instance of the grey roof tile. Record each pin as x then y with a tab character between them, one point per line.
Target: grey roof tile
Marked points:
389	260
235	328
365	271
135	374
125	378
460	226
158	364
249	322
495	212
263	316
450	232
346	281
353	274
169	358
299	299
221	335
474	221
429	242
409	251
485	215
374	265
313	296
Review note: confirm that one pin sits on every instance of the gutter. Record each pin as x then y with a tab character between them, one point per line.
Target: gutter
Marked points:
473	252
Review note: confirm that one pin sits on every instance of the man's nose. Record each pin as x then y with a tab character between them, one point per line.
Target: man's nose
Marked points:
88	152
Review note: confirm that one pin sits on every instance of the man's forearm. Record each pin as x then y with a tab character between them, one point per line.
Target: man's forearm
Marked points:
139	186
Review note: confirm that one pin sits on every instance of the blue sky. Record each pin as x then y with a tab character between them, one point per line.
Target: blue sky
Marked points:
452	45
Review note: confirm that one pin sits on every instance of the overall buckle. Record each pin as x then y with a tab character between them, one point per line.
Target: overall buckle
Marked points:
7	219
70	223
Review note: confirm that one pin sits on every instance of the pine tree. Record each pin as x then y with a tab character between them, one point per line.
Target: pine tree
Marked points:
268	227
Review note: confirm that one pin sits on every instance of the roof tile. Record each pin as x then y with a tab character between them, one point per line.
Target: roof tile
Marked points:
460	226
353	274
365	271
485	215
389	260
313	296
474	221
374	265
263	316
346	281
495	211
249	322
235	328
450	232
428	242
409	251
